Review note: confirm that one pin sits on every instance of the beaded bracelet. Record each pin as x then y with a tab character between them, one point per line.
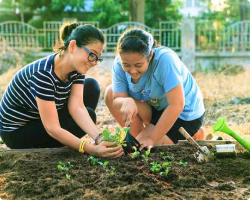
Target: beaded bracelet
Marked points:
81	147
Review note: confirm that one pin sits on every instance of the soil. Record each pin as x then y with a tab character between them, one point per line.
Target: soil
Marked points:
34	174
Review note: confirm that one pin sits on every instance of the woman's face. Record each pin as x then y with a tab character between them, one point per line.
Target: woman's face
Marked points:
135	64
86	57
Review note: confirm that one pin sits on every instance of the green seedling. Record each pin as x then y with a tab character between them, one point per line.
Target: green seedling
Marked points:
166	169
184	164
163	169
104	164
135	154
93	160
156	167
112	170
166	157
68	176
145	156
65	167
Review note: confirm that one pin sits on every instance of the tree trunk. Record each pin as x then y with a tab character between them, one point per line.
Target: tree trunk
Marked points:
243	8
137	10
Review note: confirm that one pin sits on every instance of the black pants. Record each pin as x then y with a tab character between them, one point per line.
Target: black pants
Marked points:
191	127
34	135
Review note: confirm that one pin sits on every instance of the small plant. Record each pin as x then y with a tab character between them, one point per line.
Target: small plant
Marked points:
163	169
145	156
166	169
104	165
136	153
184	164
93	160
112	170
166	157
156	167
65	167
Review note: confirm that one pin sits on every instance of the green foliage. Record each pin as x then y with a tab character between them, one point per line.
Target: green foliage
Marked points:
96	161
62	166
163	169
118	137
135	154
93	160
162	10
230	14
145	156
110	12
181	163
166	157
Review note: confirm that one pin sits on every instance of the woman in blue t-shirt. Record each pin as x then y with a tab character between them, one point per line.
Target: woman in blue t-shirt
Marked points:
49	103
153	92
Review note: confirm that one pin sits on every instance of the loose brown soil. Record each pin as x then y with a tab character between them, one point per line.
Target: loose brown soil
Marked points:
34	175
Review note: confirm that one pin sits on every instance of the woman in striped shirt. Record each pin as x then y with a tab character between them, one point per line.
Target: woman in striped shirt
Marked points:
49	103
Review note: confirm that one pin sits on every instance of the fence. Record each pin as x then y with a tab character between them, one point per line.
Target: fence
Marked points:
191	39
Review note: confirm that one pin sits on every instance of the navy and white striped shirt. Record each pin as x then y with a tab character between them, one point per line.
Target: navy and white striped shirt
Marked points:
38	79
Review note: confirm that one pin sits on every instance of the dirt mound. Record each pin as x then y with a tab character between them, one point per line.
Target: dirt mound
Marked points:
36	175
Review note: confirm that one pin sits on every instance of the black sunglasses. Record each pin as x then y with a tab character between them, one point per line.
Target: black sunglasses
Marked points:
92	57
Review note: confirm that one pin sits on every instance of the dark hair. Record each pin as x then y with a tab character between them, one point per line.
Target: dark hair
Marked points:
136	40
83	34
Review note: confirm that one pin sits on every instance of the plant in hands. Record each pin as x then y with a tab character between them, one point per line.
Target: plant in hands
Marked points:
118	137
65	167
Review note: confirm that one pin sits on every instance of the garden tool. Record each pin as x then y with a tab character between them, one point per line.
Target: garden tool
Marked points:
203	154
130	143
221	125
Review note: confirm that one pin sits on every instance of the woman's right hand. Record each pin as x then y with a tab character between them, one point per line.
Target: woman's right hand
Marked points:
129	110
106	149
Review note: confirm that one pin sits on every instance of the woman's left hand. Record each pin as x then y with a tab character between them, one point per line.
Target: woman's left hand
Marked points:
146	143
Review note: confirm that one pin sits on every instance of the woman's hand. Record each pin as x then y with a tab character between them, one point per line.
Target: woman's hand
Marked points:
147	143
106	149
129	110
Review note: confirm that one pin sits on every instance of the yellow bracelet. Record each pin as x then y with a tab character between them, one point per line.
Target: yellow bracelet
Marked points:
81	147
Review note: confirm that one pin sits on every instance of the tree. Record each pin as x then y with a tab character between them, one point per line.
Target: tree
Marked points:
244	10
110	12
137	8
48	9
162	10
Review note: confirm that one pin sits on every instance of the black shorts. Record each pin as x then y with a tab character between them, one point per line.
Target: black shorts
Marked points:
191	127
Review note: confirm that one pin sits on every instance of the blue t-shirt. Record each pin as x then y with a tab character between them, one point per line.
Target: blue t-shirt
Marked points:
165	72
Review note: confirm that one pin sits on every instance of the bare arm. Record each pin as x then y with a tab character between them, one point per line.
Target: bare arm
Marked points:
175	99
79	112
126	105
49	117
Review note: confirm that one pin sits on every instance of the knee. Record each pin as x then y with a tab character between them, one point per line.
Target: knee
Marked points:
92	114
92	85
200	135
108	95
